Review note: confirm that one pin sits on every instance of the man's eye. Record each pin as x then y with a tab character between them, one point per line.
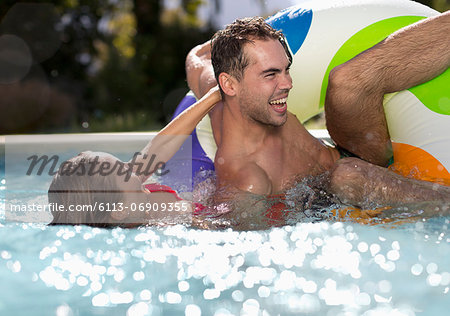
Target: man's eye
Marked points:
270	75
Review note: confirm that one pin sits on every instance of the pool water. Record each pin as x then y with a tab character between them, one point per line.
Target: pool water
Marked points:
310	266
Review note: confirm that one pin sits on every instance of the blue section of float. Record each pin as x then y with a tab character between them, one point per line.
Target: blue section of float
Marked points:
295	23
187	101
190	153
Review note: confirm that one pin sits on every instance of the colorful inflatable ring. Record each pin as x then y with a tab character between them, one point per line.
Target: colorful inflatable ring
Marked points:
324	34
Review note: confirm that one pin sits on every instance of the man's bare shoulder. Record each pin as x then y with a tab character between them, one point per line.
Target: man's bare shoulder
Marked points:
294	122
294	127
308	148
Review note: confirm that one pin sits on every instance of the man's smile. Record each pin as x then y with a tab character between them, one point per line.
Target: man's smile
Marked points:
279	105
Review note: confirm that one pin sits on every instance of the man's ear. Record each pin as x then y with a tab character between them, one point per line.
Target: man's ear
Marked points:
228	84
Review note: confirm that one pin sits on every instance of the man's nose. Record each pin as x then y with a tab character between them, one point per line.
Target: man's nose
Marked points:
286	82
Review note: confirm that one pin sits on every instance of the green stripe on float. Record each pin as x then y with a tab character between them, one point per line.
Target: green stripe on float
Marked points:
435	94
364	39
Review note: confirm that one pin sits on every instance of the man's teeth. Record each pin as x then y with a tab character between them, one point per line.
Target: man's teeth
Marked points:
279	101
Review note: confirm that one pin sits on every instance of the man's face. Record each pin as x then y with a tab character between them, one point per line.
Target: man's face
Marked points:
266	82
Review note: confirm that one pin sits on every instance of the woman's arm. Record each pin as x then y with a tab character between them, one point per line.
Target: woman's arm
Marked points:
167	142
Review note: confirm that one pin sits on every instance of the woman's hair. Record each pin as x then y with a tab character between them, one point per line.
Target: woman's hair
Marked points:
79	189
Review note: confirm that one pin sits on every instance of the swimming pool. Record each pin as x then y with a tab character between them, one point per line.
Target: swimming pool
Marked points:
316	268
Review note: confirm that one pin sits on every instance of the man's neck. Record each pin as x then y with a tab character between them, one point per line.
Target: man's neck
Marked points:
239	126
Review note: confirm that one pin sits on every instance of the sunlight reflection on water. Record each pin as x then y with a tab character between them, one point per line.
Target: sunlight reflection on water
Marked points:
310	268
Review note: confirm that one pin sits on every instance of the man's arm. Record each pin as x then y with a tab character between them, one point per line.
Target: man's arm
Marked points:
200	78
199	70
354	101
359	183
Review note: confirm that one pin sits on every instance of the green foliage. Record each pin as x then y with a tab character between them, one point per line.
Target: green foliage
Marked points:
439	5
116	64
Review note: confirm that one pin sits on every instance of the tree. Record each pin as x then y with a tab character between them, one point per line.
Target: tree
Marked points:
113	59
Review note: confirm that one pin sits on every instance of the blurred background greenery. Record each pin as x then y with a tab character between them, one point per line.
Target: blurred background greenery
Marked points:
99	65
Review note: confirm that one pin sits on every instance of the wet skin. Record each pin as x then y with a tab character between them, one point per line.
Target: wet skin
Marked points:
271	140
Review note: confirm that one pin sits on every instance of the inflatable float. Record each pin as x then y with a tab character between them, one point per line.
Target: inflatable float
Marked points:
324	34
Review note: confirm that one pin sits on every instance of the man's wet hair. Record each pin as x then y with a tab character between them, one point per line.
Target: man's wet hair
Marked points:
227	53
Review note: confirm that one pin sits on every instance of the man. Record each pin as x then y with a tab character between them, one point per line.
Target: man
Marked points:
262	148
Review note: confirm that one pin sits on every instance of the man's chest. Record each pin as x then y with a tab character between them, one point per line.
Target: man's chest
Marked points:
287	164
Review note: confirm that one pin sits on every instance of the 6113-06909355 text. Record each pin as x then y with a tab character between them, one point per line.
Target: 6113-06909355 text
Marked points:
182	206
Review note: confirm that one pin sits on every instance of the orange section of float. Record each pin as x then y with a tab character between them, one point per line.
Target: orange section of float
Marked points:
368	217
414	162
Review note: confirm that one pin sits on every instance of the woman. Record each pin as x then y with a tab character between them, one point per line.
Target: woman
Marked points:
98	189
